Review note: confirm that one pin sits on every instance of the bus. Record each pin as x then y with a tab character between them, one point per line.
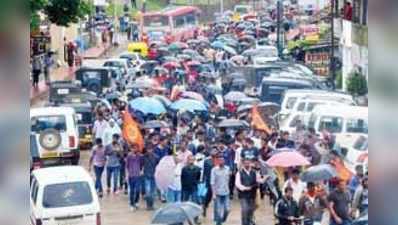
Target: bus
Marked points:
173	23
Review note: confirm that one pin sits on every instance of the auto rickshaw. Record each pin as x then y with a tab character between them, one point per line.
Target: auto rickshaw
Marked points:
139	47
85	120
95	79
60	89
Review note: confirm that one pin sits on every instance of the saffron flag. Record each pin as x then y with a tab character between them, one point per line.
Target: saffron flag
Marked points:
131	131
342	171
258	122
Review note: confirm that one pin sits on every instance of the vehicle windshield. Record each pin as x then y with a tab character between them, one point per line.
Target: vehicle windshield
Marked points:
357	126
67	195
41	123
331	124
156	21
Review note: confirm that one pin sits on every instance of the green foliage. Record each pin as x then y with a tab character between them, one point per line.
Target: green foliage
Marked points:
65	12
35	7
357	84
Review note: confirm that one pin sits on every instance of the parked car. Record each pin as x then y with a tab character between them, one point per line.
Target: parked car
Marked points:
63	195
125	65
272	88
60	89
56	131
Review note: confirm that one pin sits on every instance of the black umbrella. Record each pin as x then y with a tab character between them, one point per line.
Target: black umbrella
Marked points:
230	123
319	173
177	213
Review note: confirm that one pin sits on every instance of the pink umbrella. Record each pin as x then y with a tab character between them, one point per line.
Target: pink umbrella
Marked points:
192	95
171	65
287	159
164	173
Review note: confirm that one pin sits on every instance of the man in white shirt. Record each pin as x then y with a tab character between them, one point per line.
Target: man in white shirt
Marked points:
296	184
100	125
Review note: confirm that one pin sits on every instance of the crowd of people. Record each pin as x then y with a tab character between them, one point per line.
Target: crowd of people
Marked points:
192	159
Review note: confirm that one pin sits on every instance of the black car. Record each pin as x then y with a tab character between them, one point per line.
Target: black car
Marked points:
94	79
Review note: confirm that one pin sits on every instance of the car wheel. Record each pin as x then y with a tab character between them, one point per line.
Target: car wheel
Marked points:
50	139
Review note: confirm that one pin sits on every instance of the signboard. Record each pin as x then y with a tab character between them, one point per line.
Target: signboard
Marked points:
319	62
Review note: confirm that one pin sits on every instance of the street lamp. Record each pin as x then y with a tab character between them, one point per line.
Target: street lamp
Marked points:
332	69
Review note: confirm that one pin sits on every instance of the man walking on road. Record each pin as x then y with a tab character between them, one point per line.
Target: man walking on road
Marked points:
220	176
149	162
247	181
190	178
133	165
98	161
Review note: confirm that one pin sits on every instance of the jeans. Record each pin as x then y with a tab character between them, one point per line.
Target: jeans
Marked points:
112	173
248	206
98	178
122	178
134	193
150	191
221	209
190	196
173	196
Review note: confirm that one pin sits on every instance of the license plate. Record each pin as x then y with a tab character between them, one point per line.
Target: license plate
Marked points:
69	222
63	91
50	155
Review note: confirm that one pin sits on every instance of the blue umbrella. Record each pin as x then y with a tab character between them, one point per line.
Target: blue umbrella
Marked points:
188	105
318	173
148	105
217	44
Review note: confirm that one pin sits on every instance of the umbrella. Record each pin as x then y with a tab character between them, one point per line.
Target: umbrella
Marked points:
153	124
177	213
248	100
217	44
144	82
190	52
287	159
238	58
234	96
188	105
164	100
243	108
269	108
148	105
164	174
184	57
227	123
319	173
177	46
171	65
230	50
192	95
170	59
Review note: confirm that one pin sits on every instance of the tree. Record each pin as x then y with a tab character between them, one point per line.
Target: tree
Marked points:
357	85
65	12
35	7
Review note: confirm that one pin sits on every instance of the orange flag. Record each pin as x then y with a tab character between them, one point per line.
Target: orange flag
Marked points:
257	121
131	131
342	171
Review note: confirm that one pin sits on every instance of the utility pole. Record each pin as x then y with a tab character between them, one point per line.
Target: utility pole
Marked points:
279	13
332	72
221	7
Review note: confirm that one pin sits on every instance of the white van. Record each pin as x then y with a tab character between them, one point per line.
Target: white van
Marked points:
57	135
291	96
63	195
345	122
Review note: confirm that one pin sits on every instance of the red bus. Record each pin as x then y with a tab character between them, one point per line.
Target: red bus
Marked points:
173	23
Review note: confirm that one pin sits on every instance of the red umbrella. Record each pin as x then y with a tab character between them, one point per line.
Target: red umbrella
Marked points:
287	159
171	65
193	63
